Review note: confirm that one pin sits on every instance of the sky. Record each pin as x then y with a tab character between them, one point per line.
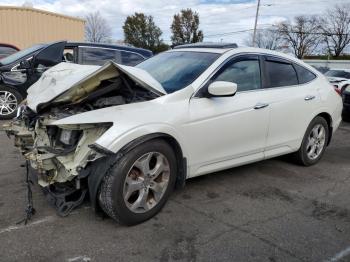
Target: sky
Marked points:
217	17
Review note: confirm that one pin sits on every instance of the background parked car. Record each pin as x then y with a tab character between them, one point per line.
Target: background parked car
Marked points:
7	49
20	70
346	104
339	78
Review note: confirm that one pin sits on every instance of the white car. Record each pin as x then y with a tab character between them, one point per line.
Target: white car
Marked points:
339	78
130	135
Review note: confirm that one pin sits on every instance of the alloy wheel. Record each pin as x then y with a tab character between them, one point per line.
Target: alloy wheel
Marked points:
146	182
8	103
316	142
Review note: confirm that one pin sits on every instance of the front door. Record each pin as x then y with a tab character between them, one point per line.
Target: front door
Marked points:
226	131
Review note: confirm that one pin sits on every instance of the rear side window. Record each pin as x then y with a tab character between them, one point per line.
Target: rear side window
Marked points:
6	51
98	56
281	73
304	75
131	59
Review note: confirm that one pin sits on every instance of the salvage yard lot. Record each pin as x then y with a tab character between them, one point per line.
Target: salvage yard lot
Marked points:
267	211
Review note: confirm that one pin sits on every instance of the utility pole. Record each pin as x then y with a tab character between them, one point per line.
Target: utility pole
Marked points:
256	22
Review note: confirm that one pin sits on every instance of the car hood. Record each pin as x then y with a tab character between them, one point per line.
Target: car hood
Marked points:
333	79
67	82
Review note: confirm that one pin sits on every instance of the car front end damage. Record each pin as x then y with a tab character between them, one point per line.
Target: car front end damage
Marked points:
64	155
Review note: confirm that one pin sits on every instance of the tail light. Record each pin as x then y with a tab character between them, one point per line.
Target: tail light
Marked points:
337	90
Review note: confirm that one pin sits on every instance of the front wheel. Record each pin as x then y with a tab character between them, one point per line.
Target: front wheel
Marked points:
138	185
9	101
314	142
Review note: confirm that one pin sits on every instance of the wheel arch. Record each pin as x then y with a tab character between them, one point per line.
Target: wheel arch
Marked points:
98	169
329	120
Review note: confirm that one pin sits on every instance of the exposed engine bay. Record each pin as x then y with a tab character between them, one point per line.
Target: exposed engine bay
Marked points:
61	154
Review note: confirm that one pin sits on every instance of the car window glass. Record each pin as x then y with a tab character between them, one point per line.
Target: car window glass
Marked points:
98	56
6	51
281	74
131	59
245	73
304	75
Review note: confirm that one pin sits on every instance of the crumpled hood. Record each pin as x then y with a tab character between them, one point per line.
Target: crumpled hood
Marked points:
71	82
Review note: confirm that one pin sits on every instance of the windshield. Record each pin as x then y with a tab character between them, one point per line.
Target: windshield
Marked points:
14	57
338	73
176	70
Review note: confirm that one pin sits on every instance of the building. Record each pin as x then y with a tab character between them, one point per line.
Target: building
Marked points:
26	26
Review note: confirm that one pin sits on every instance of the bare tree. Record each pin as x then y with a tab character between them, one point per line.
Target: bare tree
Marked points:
301	35
335	26
96	28
269	38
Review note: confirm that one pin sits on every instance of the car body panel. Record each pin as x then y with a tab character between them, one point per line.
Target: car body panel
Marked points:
214	133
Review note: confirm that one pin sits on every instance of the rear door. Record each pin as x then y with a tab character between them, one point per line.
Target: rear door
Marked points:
292	99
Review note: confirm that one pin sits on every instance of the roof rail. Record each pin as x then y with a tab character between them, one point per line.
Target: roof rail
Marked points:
207	45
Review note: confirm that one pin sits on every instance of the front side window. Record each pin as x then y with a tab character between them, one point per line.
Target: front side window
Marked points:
245	73
281	73
98	56
177	69
131	59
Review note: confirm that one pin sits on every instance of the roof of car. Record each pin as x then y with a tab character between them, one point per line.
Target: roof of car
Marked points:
144	52
208	45
339	69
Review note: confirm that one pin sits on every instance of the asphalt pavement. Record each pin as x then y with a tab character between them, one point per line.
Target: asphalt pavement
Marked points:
269	211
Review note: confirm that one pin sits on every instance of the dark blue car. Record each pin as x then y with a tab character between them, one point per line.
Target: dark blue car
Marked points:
21	69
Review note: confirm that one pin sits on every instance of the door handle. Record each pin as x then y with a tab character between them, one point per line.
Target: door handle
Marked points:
260	105
308	98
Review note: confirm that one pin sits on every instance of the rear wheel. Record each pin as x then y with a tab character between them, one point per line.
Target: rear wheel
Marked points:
138	185
314	142
9	101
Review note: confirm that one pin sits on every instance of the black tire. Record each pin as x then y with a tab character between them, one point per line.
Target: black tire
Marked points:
301	155
110	194
19	98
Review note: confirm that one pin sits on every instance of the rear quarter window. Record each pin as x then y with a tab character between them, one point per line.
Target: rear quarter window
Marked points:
98	56
304	75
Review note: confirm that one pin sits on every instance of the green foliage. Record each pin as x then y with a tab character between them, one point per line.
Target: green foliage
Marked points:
141	31
185	28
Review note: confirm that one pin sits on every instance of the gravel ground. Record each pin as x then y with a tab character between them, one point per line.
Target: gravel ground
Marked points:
268	211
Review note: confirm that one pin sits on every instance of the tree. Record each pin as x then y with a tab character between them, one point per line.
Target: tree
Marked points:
335	25
141	31
96	28
301	35
185	28
269	38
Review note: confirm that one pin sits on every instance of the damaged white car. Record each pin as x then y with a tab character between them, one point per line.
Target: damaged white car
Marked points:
129	135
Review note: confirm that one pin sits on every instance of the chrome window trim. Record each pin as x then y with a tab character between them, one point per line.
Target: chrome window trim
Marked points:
194	95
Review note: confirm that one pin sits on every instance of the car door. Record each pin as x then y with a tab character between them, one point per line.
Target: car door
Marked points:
225	131
44	59
292	99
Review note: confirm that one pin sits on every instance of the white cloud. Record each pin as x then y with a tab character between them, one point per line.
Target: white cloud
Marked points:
215	17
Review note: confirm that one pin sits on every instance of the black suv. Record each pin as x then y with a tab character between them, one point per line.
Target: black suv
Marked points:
20	70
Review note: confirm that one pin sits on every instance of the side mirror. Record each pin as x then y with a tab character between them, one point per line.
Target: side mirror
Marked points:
222	88
24	64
